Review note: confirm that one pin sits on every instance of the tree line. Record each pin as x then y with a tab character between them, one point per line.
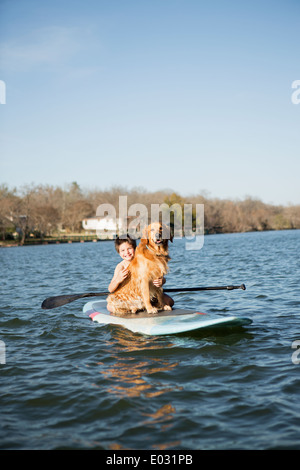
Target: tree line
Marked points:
44	210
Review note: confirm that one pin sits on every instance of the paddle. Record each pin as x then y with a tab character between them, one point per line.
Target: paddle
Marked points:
58	301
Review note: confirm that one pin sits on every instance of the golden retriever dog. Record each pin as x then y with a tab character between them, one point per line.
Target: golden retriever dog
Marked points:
137	291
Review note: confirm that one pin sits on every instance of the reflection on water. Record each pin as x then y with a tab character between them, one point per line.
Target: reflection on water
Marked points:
124	340
133	373
162	414
130	377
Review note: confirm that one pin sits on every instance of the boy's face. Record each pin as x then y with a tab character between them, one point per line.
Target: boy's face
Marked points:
126	251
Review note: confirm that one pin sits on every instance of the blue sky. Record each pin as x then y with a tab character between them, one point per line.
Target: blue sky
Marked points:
188	95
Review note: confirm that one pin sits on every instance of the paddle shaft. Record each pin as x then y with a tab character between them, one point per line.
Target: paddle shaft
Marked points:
192	289
58	301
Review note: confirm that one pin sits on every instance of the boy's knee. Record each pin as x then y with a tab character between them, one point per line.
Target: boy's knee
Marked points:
168	300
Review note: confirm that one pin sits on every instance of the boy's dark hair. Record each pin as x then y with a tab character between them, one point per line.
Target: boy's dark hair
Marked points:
128	239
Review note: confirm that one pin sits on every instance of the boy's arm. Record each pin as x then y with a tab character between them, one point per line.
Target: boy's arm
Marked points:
114	282
119	275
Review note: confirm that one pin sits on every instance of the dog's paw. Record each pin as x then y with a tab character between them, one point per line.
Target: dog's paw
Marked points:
133	309
152	310
167	307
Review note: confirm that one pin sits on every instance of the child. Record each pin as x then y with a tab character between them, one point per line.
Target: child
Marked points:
126	249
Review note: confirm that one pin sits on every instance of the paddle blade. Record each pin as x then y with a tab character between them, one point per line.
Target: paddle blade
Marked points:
53	302
58	301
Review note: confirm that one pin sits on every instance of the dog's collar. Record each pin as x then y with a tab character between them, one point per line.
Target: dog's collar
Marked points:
153	251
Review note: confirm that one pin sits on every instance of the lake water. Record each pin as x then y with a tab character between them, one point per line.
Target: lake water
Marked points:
69	383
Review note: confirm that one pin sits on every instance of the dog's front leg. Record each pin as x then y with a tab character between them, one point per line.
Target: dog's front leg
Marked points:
145	291
160	298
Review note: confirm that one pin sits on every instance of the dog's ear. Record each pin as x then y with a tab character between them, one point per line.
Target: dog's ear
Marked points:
145	235
167	233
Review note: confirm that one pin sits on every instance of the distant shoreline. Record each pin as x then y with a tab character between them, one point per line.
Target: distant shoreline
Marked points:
90	239
52	241
36	213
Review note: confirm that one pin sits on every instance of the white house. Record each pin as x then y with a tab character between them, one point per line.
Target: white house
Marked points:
104	227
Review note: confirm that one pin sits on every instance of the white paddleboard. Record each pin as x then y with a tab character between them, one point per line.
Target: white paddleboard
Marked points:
164	322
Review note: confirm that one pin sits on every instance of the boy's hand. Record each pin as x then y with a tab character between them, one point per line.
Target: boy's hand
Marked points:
158	282
123	274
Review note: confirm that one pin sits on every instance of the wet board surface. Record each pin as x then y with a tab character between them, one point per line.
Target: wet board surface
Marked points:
164	322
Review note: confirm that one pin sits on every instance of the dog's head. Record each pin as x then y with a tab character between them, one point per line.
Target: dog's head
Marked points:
157	235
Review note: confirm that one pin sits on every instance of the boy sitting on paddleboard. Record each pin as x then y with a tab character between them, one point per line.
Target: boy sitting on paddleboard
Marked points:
126	249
